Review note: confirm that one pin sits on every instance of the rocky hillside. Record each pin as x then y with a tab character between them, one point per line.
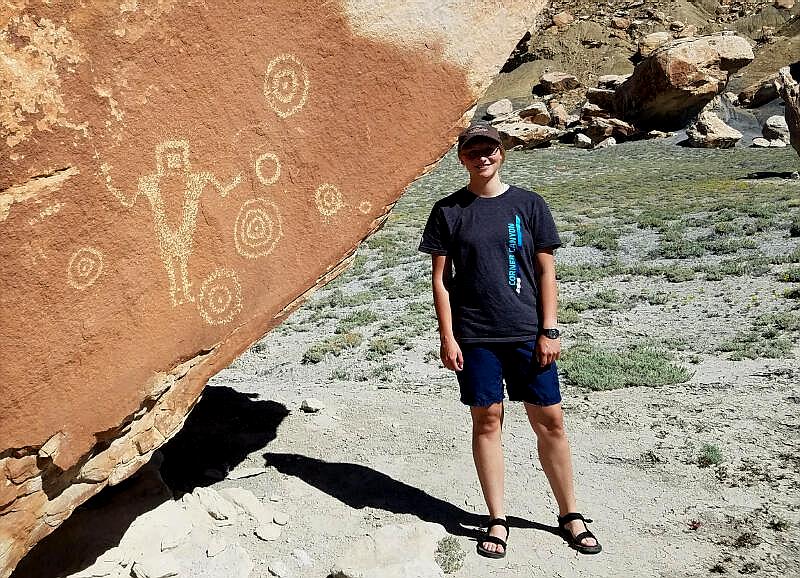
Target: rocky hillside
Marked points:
592	39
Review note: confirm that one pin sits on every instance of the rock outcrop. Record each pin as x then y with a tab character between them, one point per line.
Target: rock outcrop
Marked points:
708	131
678	79
790	92
175	179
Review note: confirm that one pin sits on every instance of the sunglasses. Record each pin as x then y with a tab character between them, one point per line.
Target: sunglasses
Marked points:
476	154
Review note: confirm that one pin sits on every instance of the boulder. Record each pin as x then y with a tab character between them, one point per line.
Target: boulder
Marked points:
789	77
536	113
650	42
558	115
775	128
708	131
525	135
621	23
761	143
583	142
598	129
498	108
606	143
163	173
760	93
784	4
393	551
602	97
590	111
563	19
677	80
611	81
557	82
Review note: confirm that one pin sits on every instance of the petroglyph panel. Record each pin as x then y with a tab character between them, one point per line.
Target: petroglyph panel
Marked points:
220	297
258	228
286	85
84	268
328	199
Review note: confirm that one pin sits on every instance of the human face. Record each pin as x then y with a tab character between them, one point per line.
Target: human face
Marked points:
482	158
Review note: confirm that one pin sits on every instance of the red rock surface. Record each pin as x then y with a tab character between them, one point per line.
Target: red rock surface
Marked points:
174	178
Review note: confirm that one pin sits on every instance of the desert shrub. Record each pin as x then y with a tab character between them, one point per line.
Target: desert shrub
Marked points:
790	275
450	555
600	369
333	345
710	455
355	320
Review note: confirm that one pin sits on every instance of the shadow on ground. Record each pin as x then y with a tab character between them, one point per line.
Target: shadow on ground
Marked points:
223	428
359	487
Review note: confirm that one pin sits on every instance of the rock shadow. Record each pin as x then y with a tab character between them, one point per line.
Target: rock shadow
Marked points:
220	432
359	487
222	429
770	175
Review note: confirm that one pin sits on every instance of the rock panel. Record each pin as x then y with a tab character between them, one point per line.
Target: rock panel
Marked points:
175	178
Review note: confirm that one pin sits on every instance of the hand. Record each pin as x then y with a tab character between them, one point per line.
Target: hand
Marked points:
547	350
451	355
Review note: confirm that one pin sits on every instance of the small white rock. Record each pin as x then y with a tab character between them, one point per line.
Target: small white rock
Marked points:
498	108
302	557
280	518
278	568
268	532
609	142
777	143
216	546
759	142
582	141
312	405
159	566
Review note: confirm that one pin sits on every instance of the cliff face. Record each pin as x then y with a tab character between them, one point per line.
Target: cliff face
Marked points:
175	177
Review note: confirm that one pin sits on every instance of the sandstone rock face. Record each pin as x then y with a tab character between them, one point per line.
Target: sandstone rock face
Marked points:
790	92
708	131
678	79
175	178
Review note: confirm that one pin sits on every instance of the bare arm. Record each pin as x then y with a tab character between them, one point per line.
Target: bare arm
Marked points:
449	351
547	350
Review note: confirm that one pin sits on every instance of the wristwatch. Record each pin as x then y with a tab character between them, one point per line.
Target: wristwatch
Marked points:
551	333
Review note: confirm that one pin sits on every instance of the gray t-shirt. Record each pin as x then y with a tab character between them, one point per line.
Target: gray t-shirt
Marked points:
491	242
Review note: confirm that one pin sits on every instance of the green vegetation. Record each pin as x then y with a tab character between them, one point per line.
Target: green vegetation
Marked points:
710	455
449	555
790	275
334	345
598	369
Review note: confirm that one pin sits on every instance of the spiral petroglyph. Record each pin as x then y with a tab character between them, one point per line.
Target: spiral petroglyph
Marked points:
258	228
220	298
286	85
84	268
329	199
364	207
270	162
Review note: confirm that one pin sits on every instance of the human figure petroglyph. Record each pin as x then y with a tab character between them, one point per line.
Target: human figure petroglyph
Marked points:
175	242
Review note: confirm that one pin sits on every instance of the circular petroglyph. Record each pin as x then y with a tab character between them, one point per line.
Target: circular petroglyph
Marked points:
220	298
258	228
364	207
271	163
286	85
84	267
328	199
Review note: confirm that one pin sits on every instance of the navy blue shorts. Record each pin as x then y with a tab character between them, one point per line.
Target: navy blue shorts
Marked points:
486	365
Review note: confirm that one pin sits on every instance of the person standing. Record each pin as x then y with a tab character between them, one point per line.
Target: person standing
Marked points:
494	290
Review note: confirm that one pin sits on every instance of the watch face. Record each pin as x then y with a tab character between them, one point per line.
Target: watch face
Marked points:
551	333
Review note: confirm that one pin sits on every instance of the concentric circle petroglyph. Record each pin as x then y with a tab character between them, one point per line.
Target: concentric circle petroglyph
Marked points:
258	228
220	298
286	85
84	267
364	207
328	199
270	161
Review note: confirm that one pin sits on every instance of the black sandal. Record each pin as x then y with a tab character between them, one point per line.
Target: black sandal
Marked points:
575	541
494	539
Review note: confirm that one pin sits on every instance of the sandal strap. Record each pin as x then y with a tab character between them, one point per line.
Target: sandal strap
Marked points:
498	522
566	518
582	536
494	540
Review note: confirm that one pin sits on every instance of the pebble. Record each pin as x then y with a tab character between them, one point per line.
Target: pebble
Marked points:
215	546
278	568
312	405
302	557
281	518
268	532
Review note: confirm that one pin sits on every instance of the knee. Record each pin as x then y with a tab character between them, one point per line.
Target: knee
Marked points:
551	427
487	423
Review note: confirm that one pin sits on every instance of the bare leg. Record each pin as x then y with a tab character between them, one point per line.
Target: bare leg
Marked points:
548	424
487	451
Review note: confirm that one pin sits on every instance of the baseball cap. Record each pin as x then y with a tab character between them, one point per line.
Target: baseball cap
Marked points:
478	130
